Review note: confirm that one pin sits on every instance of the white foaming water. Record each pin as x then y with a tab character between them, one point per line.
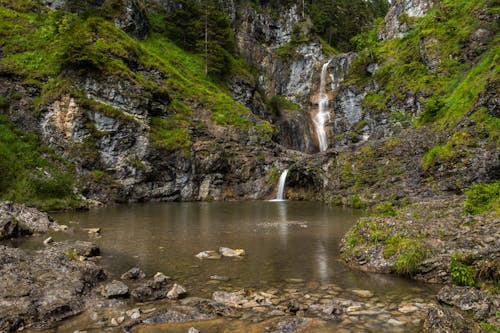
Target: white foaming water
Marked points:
323	114
280	196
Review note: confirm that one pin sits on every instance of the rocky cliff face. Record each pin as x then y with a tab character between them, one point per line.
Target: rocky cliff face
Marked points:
398	19
217	166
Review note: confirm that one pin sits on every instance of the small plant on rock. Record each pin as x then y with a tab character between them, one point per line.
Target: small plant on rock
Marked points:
461	274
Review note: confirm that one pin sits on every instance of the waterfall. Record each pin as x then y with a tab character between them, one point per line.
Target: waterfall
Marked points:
280	196
323	114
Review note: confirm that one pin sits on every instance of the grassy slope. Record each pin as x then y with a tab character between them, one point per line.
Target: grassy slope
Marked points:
40	45
450	91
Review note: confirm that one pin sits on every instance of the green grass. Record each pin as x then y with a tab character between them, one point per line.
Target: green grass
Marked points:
482	198
450	91
32	174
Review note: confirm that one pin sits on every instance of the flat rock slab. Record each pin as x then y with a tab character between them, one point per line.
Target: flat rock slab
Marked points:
114	289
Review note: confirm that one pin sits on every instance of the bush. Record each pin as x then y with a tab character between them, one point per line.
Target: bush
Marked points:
482	198
461	274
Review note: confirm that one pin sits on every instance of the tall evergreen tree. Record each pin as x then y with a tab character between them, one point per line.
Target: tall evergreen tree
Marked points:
217	43
184	23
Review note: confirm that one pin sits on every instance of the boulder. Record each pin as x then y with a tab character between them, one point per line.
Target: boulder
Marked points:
17	220
114	289
134	273
176	292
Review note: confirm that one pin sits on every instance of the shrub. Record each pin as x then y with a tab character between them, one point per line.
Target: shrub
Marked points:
482	198
461	274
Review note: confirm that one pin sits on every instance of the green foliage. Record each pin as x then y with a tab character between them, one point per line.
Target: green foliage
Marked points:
386	209
169	133
30	173
273	176
410	258
72	254
4	101
357	202
338	21
489	327
461	274
433	106
483	197
447	153
280	103
205	28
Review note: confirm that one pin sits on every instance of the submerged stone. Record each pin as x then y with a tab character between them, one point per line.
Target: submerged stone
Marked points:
227	252
208	255
133	274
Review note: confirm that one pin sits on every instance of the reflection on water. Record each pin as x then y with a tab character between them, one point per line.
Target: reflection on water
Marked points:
282	240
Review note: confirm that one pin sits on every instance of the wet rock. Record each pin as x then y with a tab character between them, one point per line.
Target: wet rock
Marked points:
142	294
407	309
160	278
395	322
45	287
177	292
193	330
114	289
442	320
468	299
220	278
227	252
208	255
134	313
362	293
93	230
134	273
231	298
178	314
48	241
17	220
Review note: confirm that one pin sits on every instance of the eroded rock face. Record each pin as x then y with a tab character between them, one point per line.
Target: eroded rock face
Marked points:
133	21
47	286
396	21
17	220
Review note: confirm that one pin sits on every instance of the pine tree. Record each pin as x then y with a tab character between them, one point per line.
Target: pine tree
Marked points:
217	43
184	23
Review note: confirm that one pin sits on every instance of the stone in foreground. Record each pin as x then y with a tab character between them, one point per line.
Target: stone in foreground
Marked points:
177	292
114	289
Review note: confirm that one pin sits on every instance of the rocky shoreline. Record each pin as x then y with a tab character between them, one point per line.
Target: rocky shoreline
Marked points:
64	279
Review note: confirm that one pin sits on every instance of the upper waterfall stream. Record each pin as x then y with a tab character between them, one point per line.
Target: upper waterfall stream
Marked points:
323	114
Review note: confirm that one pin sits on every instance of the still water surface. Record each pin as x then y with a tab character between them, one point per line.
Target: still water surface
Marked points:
282	240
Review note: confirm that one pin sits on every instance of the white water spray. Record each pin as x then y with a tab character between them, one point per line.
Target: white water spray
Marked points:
280	196
323	114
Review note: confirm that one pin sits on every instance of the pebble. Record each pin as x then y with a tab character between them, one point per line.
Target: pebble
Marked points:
362	293
134	313
48	241
407	309
220	278
353	308
293	280
395	322
193	330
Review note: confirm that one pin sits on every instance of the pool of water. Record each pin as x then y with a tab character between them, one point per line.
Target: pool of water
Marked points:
282	240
